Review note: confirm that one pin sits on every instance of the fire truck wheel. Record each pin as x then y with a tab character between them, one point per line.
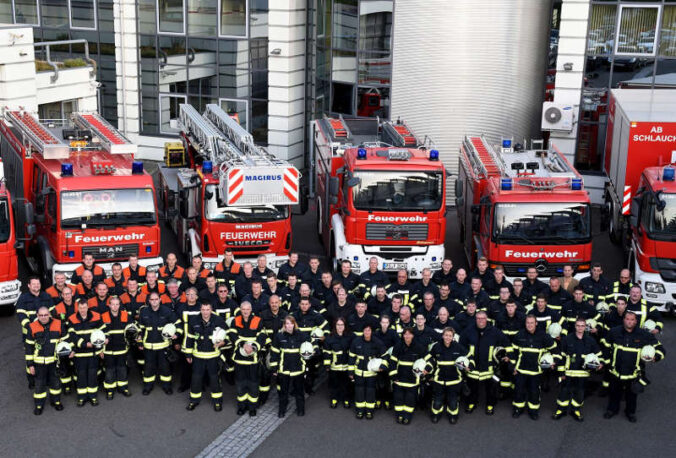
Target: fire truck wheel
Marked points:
319	221
613	231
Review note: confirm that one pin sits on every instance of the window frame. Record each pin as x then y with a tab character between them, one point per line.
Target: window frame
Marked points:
161	95
70	17
184	22
37	12
247	24
658	23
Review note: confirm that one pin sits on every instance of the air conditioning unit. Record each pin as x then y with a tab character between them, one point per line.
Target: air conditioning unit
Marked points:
557	117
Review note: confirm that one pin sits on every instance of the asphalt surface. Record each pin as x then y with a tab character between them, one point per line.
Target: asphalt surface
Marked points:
159	425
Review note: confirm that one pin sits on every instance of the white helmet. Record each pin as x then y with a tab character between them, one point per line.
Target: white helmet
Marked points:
374	364
648	353
546	361
554	330
242	350
229	321
456	337
98	338
131	330
498	354
602	307
389	351
591	324
63	349
168	331
268	360
306	350
218	336
462	363
317	334
419	366
649	325
591	361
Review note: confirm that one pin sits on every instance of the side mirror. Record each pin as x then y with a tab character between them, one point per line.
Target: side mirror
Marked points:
334	186
29	214
353	181
30	230
636	210
19	245
186	204
208	195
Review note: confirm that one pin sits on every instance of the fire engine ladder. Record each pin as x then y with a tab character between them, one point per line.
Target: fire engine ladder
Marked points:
36	136
111	139
203	131
338	128
482	156
400	132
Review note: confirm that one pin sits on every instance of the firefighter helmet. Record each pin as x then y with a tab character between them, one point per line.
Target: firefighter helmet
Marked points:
229	321
374	364
591	324
268	360
648	353
554	330
98	338
317	334
63	349
306	350
218	336
591	361
419	367
546	361
389	351
602	307
462	362
499	353
168	331
649	325
131	330
242	348
456	337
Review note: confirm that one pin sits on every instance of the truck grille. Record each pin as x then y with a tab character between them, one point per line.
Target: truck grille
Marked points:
111	252
380	231
519	270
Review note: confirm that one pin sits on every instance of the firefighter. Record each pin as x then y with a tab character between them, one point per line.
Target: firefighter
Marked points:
371	279
557	297
56	290
82	325
243	281
198	265
171	269
443	321
192	279
313	275
98	274
482	271
467	318
643	311
257	298
272	285
191	307
478	295
445	299
595	286
579	307
445	274
447	376
460	288
173	297
544	314
528	347
152	284
324	290
362	350
497	306
116	283
342	307
347	278
224	306
272	321
511	320
614	318
261	271
247	339
154	344
574	371
402	287
405	383
227	270
132	300
292	265
481	338
99	303
41	339
210	292
423	334
623	347
288	365
389	337
202	351
62	311
86	288
620	287
423	286
521	297
378	303
358	320
292	291
304	291
498	281
428	309
134	270
336	350
115	322
308	320
533	286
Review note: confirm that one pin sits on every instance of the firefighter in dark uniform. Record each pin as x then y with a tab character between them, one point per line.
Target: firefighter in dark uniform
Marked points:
362	350
372	278
247	339
26	309
192	307
528	347
43	335
620	287
152	320
115	352
446	376
313	275
336	350
444	275
574	347
202	351
86	288
596	288
557	297
82	324
643	311
288	365
389	337
358	320
405	383
62	311
272	321
347	278
307	320
98	274
579	307
402	287
546	315
293	265
623	346
132	300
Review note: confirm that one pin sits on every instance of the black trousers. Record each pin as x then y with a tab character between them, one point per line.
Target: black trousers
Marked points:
265	382
65	370
209	368
383	387
46	377
286	385
339	384
86	368
571	393
445	396
116	372
364	393
489	388
618	390
312	367
404	400
246	383
186	372
527	387
156	364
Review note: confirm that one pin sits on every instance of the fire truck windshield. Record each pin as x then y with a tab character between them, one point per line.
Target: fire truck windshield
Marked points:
398	191
107	207
662	224
555	223
5	227
216	210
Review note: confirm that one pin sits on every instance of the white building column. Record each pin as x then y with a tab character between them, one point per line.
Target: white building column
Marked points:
17	67
126	66
286	79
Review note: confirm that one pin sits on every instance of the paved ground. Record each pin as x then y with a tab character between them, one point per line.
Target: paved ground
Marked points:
158	425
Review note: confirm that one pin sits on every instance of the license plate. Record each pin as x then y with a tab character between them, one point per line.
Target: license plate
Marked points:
394	265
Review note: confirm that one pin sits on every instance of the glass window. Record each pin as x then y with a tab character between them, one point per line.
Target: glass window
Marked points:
344	66
668	33
662	222
202	17
637	30
173	59
147	16
169	109
531	223
320	17
345	24
666	70
259	121
215	209
373	101
602	24
342	97
375	25
258	18
631	70
397	191
202	67
375	68
54	13
83	14
170	16
233	69
237	109
233	18
6	13
5	225
26	12
107	207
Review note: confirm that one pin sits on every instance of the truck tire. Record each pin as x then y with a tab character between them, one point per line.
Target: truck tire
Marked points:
614	226
625	236
318	214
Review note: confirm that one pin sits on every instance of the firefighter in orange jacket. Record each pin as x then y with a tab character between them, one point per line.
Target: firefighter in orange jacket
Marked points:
171	269
88	264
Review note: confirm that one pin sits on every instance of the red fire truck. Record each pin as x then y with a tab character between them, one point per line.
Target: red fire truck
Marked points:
228	192
640	195
520	208
78	191
9	266
380	192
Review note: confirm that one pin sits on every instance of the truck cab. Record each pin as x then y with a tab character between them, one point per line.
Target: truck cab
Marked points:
9	263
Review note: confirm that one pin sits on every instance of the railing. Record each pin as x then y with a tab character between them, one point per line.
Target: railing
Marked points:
48	44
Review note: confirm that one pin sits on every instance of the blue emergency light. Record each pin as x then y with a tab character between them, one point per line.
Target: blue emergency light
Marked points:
71	254
434	155
668	174
137	167
576	184
148	249
356	258
207	167
507	143
506	184
67	169
434	258
361	153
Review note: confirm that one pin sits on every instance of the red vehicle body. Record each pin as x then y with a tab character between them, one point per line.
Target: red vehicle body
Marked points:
78	190
380	193
520	208
9	263
640	195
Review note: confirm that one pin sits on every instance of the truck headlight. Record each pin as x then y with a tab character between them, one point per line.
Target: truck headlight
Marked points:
657	288
9	288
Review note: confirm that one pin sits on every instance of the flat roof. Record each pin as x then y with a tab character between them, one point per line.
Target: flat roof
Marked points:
647	105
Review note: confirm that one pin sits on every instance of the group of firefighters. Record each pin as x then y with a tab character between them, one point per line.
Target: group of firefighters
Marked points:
401	345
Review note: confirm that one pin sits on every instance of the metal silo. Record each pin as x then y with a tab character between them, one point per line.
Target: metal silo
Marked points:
469	66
